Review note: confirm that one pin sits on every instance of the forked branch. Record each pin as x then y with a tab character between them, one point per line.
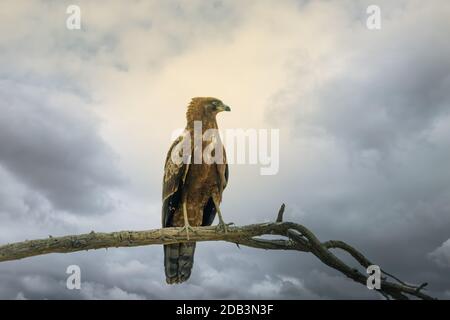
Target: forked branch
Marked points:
293	237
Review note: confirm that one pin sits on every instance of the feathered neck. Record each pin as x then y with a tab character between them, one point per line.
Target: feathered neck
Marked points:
197	112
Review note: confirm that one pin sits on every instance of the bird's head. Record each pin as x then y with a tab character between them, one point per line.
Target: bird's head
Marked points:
207	106
214	106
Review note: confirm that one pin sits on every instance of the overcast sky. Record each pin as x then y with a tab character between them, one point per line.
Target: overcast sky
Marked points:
86	118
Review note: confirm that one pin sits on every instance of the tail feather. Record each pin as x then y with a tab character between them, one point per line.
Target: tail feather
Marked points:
178	261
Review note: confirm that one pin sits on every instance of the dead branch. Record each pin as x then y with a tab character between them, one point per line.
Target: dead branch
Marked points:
295	237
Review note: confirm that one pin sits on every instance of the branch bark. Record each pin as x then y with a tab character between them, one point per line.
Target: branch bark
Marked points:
294	237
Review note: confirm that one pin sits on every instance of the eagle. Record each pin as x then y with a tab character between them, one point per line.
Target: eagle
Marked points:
192	190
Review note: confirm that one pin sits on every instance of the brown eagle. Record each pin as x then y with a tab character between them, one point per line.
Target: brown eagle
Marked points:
192	190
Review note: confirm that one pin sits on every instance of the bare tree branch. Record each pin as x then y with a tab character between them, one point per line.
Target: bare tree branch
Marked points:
295	237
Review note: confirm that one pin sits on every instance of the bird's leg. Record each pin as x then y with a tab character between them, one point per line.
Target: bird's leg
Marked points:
222	226
187	226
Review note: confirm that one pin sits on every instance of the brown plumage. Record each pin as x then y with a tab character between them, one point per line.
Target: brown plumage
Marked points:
192	192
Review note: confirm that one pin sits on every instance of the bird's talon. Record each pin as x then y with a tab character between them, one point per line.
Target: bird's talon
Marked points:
222	226
188	229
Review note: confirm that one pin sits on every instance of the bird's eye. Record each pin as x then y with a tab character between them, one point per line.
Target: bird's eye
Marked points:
215	102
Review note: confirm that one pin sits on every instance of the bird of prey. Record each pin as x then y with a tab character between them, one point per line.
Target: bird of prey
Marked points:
192	191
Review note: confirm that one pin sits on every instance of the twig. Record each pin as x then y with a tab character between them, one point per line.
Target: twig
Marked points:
280	213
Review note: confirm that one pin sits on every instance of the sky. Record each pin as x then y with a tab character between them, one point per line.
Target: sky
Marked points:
86	118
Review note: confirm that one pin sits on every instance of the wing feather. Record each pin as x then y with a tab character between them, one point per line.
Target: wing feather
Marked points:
223	173
174	175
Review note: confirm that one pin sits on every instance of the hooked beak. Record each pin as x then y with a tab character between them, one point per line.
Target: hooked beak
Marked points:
223	107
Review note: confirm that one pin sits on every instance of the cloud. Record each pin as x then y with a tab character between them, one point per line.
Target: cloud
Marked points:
20	296
441	255
383	89
92	291
50	142
281	288
366	123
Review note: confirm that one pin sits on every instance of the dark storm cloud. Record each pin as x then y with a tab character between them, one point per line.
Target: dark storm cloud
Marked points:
222	272
54	147
383	183
394	86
